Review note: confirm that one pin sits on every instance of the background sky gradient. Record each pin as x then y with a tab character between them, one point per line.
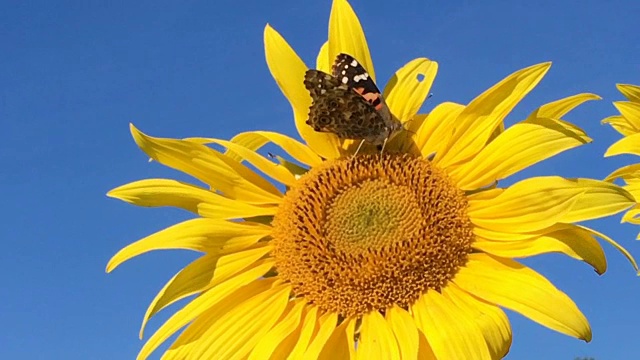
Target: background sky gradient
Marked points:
74	74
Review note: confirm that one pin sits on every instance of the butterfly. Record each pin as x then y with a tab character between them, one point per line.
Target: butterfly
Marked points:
348	103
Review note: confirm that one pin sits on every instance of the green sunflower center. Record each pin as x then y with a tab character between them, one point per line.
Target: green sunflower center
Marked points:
370	216
371	232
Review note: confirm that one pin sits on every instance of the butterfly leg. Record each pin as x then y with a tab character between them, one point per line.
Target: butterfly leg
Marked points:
383	145
358	149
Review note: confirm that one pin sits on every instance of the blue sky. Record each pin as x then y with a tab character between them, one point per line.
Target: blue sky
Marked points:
74	74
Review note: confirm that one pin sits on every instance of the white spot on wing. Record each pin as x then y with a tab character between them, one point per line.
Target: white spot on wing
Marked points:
363	77
354	63
345	80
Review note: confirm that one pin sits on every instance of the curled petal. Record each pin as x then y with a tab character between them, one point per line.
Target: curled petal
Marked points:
409	87
620	124
631	113
632	92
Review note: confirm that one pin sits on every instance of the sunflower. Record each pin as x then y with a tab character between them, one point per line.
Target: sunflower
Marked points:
627	124
402	255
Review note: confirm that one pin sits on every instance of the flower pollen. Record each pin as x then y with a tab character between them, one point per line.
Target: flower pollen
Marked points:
362	234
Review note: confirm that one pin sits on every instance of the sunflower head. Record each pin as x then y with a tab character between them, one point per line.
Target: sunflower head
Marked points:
371	232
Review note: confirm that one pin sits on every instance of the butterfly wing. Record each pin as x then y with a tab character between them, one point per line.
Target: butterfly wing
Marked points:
337	109
350	72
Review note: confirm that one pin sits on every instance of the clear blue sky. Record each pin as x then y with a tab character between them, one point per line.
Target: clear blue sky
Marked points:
74	74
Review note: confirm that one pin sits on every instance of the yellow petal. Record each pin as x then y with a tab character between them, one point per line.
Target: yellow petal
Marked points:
326	326
288	71
632	215
517	148
436	131
630	111
270	346
425	351
340	344
479	119
509	284
293	168
491	320
626	145
631	92
559	108
405	331
620	124
205	302
253	140
574	242
202	274
323	62
214	169
189	342
633	187
409	87
625	173
309	327
528	205
600	199
404	141
612	243
165	192
346	36
377	340
199	234
450	332
485	194
236	333
269	168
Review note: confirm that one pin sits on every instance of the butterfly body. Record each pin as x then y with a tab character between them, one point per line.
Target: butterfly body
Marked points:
349	104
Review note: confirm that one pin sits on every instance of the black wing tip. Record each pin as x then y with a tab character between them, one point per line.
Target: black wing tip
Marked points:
343	56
